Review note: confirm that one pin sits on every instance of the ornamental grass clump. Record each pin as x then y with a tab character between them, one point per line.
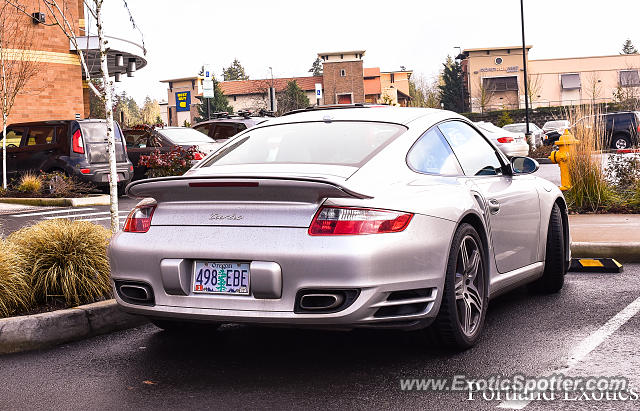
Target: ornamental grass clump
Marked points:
65	260
30	183
15	293
590	191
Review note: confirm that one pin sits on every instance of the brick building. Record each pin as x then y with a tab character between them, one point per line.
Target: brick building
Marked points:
58	90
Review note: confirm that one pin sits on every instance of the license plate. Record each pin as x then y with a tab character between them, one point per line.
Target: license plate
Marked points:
119	178
218	277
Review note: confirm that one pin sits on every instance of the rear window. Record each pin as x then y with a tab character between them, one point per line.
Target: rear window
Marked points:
339	142
96	132
515	128
184	135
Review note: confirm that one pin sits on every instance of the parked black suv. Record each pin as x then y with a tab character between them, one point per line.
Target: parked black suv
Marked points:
622	129
73	147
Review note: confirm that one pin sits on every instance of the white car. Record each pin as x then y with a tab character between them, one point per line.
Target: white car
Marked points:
510	143
536	132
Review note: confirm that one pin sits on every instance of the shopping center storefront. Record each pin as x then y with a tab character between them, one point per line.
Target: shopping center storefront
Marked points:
494	78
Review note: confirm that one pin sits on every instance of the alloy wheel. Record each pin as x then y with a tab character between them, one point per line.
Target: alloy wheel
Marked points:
469	286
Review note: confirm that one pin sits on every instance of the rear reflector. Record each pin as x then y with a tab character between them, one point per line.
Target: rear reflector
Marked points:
139	219
131	168
224	184
505	140
77	144
354	221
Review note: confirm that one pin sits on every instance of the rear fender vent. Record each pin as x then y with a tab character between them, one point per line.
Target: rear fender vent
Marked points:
406	303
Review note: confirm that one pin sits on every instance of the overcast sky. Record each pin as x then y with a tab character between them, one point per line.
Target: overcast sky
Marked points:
181	35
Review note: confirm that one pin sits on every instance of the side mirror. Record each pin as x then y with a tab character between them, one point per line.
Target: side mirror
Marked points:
524	165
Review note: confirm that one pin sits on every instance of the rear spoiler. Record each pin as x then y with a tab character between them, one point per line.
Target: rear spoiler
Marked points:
240	188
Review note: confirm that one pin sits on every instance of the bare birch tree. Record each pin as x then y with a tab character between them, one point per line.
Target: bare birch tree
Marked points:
485	95
63	18
18	64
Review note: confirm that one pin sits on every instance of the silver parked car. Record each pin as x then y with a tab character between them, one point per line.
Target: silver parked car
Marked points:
385	217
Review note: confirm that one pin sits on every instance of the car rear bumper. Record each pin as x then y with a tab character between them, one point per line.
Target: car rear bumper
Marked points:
99	175
383	270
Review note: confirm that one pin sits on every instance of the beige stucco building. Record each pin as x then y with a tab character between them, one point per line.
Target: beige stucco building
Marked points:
494	78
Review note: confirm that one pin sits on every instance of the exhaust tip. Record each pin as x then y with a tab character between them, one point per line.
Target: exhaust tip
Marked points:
324	301
135	293
321	301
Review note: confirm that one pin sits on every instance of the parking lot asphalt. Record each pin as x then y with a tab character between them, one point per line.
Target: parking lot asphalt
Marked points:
592	324
14	218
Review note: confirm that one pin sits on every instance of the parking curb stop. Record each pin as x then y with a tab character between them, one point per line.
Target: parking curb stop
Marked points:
595	265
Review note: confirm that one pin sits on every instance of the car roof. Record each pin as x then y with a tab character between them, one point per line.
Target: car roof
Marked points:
239	119
399	115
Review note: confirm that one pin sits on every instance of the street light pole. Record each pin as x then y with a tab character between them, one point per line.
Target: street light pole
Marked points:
272	93
526	85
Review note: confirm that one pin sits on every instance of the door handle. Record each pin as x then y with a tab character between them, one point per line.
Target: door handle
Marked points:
494	206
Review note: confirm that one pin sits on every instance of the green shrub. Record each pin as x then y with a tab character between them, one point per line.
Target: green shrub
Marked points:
504	119
15	293
65	259
30	183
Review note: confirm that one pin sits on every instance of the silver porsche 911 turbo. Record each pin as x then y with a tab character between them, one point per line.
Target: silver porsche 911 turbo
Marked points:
343	217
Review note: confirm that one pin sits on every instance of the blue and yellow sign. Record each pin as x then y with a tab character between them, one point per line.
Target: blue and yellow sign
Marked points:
183	101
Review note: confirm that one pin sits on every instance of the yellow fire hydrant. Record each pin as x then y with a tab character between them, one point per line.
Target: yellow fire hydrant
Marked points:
561	157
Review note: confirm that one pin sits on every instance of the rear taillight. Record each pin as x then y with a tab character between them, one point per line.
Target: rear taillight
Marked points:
352	221
139	219
78	145
505	140
131	168
198	155
85	170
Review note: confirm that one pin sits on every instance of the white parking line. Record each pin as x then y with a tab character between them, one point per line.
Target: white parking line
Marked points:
101	218
81	215
587	345
39	213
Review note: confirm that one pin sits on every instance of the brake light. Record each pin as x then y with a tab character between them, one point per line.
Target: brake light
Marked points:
198	155
352	221
78	145
505	140
139	219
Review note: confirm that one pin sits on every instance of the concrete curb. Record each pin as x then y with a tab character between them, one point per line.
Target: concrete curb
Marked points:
102	199
45	330
623	252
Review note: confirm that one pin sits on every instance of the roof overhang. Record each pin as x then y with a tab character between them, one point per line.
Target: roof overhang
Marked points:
130	52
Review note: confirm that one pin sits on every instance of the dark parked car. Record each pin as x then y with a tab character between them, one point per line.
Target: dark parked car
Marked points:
225	126
73	147
621	129
146	140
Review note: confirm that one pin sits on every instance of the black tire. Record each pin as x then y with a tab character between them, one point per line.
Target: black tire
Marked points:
177	326
620	142
555	266
447	328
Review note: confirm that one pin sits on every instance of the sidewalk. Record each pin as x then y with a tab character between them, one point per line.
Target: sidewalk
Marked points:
606	235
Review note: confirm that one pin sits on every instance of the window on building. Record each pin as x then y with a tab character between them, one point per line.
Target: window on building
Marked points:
570	81
341	56
629	78
393	78
501	83
343	73
235	98
171	85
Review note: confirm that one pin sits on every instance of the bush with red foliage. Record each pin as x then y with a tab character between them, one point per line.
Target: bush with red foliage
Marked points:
173	163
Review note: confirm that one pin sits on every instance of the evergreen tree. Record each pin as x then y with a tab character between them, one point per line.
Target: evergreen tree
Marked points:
629	48
316	68
217	104
292	98
234	72
452	93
